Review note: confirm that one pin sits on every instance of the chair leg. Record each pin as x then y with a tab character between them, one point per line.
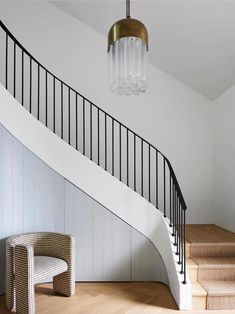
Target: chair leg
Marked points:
25	296
64	284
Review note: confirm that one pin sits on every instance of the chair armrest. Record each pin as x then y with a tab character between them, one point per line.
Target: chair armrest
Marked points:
24	278
24	263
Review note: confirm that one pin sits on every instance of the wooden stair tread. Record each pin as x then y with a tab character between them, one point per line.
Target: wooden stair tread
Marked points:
215	262
209	234
198	290
191	264
219	288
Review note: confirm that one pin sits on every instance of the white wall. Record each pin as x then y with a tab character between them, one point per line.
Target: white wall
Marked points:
99	185
225	159
173	117
33	197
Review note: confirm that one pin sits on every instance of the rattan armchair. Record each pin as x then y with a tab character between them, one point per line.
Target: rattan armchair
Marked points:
33	258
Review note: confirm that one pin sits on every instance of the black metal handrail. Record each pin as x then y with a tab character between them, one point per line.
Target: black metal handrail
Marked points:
41	89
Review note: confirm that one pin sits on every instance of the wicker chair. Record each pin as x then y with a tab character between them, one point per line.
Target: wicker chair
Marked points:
33	258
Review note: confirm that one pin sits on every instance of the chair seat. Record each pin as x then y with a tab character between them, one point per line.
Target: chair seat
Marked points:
47	266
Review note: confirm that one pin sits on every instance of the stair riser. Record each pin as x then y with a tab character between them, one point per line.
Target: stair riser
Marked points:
199	303
216	274
188	251
221	303
203	251
193	275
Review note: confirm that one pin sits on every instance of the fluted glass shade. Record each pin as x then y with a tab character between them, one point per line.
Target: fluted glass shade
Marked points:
127	66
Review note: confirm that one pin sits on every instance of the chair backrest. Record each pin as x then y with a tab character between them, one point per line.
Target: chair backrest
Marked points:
44	243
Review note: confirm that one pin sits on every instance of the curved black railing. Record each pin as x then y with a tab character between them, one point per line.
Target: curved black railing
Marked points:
95	133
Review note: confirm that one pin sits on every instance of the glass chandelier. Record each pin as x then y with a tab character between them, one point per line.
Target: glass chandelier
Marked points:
127	54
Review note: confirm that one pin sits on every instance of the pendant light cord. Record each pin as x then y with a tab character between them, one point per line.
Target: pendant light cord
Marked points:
128	8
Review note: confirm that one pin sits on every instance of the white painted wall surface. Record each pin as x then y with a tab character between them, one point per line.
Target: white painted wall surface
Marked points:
33	197
97	183
225	159
173	117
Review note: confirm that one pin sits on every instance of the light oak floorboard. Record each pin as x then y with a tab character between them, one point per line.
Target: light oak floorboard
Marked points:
108	298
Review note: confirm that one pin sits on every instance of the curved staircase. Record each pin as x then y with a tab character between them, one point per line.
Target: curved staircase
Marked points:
97	153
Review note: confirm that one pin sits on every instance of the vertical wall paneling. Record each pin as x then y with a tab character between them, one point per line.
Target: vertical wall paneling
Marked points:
17	186
33	197
29	190
2	246
7	176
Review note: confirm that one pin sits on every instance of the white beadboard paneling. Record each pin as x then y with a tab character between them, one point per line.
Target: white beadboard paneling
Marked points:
34	198
18	186
7	215
29	190
58	203
2	244
98	242
1	180
126	251
39	196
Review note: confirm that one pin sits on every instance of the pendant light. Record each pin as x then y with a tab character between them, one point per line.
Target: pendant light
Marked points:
127	54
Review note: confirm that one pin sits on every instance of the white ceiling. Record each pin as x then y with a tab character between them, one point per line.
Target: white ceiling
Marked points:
194	41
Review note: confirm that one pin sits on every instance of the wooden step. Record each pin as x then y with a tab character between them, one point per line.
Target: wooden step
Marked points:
199	297
215	268
220	294
210	240
192	268
213	250
188	249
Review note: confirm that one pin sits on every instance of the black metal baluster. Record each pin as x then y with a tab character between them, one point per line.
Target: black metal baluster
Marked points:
179	228
164	185
46	109
120	152
170	191
177	224
176	217
184	249
182	240
156	178
173	205
84	128
38	113
113	147
105	141
69	117
30	85
149	173
14	82
76	121
54	104
134	162
127	157
142	168
62	111
98	135
6	61
22	91
90	131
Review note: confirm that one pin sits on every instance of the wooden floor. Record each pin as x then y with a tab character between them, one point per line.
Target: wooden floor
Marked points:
107	298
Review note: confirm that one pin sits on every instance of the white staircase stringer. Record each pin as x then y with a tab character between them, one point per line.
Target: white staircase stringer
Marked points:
97	183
